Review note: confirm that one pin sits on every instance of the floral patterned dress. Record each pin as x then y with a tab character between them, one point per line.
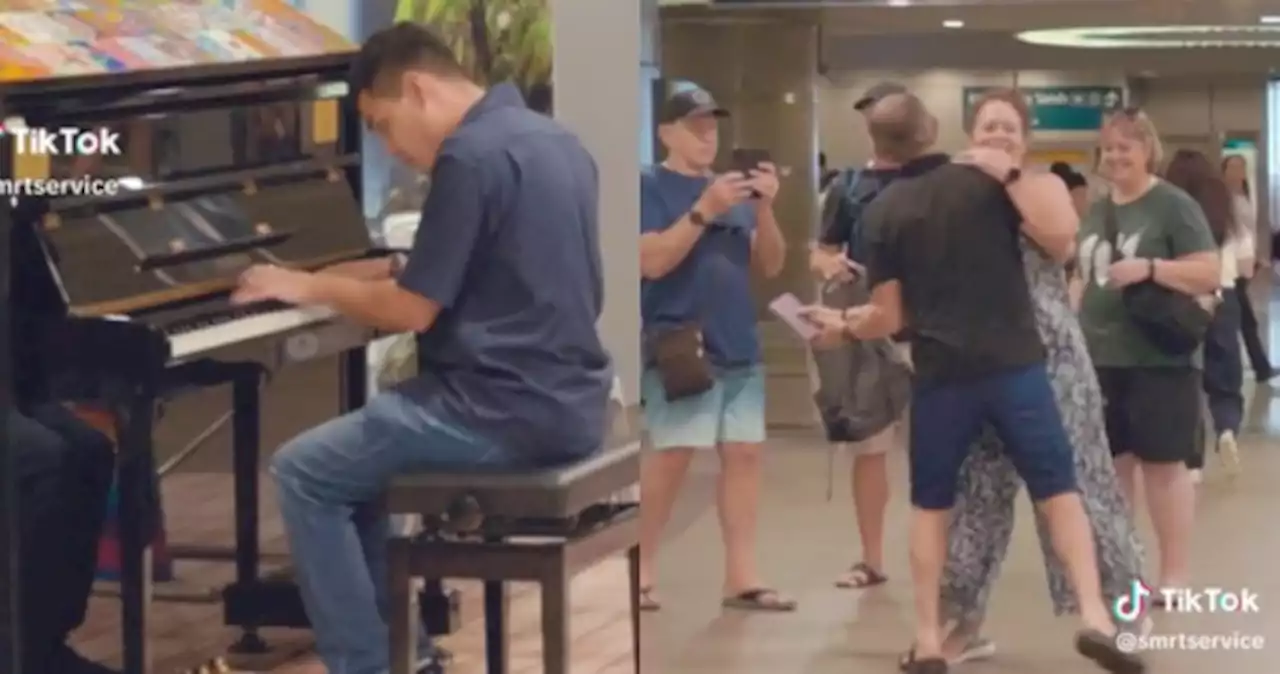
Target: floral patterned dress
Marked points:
983	517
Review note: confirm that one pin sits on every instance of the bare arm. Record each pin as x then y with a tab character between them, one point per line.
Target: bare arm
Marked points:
1048	214
660	252
824	259
368	270
1194	274
768	247
883	316
1075	291
827	256
380	304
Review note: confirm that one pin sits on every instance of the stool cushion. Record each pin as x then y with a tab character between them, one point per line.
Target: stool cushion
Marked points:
554	493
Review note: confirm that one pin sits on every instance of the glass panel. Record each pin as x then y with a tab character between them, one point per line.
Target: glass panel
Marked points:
201	142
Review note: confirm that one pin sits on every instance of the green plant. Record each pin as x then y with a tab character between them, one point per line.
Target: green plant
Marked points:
497	40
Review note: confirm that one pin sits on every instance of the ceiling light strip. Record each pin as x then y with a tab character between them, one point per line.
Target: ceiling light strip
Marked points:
1155	37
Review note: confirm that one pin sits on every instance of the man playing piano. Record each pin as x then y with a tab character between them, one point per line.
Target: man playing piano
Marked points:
504	286
64	471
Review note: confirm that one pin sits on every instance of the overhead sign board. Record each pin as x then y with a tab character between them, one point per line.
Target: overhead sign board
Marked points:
1060	108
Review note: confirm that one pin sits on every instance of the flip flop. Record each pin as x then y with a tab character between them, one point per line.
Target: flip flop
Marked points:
911	665
977	648
861	576
648	603
1104	652
760	599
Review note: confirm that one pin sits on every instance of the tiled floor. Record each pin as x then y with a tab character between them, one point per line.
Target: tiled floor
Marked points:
806	540
185	635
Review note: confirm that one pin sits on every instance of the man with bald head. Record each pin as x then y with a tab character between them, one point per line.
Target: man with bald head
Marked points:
944	260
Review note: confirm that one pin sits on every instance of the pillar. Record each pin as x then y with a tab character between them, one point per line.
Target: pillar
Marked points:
765	73
596	78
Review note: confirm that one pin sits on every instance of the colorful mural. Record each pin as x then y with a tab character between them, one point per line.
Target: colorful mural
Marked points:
499	40
51	38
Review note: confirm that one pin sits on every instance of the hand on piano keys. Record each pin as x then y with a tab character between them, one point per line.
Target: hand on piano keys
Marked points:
264	283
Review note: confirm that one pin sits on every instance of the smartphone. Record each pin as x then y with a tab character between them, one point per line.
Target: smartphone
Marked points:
746	160
787	307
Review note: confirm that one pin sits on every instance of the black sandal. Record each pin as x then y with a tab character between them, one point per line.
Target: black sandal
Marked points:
909	664
760	599
649	603
861	576
1104	652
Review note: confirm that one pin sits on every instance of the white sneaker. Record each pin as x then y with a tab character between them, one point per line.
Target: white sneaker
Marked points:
1229	452
1197	476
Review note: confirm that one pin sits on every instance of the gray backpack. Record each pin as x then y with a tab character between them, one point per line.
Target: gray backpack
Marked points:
863	387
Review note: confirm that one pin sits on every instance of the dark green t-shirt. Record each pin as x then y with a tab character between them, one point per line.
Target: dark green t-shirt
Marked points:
1165	223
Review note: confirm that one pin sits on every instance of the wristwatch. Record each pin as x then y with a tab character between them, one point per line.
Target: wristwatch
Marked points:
1012	176
1151	269
697	218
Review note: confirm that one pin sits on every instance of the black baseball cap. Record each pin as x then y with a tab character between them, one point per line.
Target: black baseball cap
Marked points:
878	92
689	102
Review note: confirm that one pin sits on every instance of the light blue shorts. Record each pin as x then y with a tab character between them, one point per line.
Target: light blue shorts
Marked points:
732	411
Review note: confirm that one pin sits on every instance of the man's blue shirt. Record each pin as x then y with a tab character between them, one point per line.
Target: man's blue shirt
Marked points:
509	247
712	285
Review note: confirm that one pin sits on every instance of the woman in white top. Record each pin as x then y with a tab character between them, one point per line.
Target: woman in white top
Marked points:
1235	170
1223	367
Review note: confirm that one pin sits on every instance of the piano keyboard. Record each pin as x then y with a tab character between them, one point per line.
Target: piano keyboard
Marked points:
194	341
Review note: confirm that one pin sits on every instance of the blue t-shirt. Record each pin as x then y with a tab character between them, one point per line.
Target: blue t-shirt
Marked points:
712	285
509	247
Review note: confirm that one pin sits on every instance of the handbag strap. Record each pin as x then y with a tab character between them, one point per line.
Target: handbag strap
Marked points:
1110	225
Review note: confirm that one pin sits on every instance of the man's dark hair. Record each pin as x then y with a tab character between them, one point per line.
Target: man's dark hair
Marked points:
899	127
391	52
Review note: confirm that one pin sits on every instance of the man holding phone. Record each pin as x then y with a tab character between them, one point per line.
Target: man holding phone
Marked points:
701	235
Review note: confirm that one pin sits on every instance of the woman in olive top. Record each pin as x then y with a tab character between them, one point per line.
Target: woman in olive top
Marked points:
1153	397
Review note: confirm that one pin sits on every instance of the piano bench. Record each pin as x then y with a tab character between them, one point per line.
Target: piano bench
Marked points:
543	527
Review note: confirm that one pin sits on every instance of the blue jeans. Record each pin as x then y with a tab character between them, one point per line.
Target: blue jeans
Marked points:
329	481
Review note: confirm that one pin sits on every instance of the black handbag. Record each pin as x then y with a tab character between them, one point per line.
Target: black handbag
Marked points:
1174	322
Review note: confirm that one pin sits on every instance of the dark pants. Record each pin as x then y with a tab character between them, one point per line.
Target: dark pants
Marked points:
1252	333
64	474
946	419
1223	366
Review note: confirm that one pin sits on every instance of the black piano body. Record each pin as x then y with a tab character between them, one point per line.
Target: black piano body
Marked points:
125	298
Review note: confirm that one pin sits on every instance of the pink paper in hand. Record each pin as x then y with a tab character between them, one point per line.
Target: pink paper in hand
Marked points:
787	307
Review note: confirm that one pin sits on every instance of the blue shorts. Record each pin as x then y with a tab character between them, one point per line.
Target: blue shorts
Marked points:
732	411
947	419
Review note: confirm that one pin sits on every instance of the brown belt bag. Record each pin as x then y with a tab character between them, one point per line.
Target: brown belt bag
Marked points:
681	361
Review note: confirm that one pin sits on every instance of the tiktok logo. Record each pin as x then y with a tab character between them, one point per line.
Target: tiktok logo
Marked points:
1131	606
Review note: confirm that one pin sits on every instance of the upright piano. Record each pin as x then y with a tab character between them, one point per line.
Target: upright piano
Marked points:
125	298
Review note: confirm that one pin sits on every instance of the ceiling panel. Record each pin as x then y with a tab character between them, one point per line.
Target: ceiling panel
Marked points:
861	17
1001	51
